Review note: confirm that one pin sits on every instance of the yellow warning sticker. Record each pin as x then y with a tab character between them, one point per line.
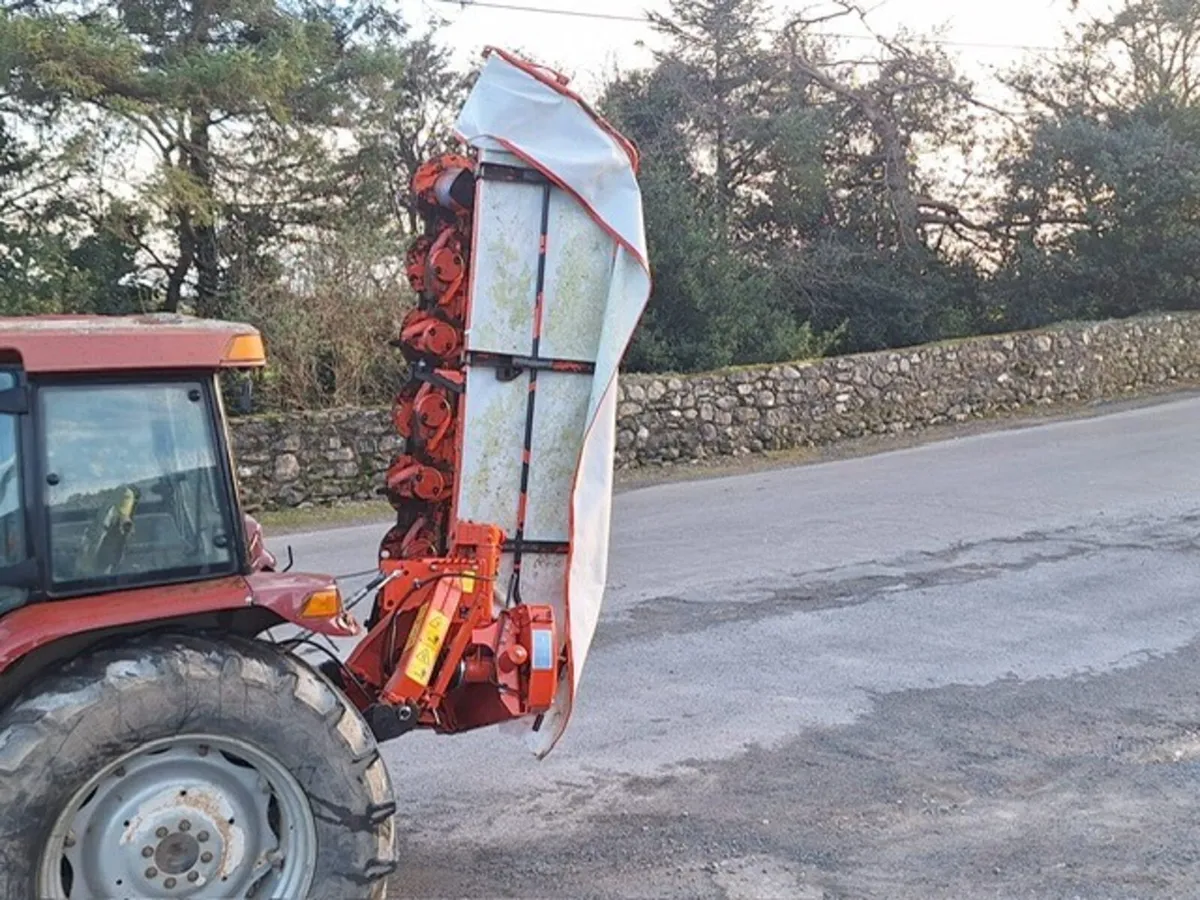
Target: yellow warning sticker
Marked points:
429	644
468	582
417	625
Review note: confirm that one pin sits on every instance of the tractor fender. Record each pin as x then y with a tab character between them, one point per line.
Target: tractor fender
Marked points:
283	594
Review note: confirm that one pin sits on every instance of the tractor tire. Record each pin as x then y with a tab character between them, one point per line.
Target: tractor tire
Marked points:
122	773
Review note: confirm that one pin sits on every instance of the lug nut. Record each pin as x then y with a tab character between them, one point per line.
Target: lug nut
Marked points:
185	825
161	832
69	840
193	875
152	872
205	857
147	852
202	836
203	750
169	883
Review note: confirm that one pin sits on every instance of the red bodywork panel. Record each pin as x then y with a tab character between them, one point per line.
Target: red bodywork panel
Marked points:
120	343
38	624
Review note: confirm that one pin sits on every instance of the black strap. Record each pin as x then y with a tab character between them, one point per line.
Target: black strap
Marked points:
547	547
508	366
491	171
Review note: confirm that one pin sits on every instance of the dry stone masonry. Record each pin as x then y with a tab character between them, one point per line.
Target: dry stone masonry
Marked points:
328	457
313	459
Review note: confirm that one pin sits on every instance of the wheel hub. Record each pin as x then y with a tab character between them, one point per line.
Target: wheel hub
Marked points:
178	840
193	817
177	853
177	845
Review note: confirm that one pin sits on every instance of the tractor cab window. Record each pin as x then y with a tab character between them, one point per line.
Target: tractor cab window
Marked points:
134	491
12	510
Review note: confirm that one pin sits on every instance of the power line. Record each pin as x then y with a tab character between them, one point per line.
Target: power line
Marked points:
515	7
645	20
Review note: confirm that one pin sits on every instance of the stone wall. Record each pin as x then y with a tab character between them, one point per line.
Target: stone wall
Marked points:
785	406
312	459
325	457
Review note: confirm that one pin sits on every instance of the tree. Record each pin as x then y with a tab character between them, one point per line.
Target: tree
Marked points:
884	108
46	264
407	118
1102	207
234	104
785	196
713	303
721	78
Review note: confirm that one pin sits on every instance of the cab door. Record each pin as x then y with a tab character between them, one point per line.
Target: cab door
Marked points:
18	568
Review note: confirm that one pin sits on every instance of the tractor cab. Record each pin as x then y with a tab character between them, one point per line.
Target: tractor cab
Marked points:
197	757
115	466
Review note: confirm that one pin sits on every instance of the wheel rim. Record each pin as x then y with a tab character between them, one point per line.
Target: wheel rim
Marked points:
194	816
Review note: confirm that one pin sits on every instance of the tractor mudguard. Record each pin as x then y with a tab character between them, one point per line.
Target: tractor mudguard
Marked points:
38	624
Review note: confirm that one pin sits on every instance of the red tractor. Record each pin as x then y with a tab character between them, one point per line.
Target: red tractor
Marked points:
154	741
150	745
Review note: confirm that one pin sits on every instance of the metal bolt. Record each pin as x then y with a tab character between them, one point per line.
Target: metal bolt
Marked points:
203	749
185	825
193	875
161	832
202	836
120	772
69	841
147	852
169	883
205	857
152	872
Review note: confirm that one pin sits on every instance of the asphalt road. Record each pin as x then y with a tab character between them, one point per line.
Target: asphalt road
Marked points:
967	669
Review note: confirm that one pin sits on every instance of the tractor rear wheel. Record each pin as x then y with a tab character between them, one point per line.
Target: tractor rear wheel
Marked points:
191	767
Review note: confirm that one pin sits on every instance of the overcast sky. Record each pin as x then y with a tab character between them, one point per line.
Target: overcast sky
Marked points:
587	48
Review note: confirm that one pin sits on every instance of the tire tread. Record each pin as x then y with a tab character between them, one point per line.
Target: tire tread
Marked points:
198	672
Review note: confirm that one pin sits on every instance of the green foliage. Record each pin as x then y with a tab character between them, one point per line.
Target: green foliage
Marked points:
248	158
327	322
42	272
786	198
703	118
1102	211
232	102
1132	244
44	269
784	214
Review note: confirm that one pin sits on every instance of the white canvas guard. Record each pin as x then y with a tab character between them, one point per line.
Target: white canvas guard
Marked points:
596	282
